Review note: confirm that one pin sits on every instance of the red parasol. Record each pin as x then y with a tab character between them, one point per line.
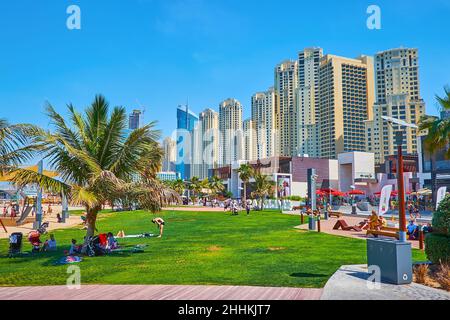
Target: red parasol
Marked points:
356	192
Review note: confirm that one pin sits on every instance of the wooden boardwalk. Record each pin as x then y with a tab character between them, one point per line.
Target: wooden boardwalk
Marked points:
157	292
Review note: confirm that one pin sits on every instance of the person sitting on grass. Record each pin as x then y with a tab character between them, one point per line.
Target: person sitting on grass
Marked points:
50	244
412	230
161	223
74	248
112	242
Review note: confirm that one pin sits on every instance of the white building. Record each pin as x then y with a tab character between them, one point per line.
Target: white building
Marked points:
231	132
286	83
250	150
170	154
398	96
264	119
307	102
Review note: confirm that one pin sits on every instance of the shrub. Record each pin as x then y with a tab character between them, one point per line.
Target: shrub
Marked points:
441	218
437	248
437	244
421	273
443	276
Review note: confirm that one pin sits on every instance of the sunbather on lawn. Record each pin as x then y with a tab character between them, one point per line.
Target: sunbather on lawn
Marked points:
160	222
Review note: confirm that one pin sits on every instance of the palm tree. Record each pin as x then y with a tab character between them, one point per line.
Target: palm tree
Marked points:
263	188
245	172
195	186
16	145
216	185
179	186
438	136
99	161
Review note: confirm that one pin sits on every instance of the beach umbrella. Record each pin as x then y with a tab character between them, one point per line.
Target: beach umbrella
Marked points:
356	192
320	193
328	190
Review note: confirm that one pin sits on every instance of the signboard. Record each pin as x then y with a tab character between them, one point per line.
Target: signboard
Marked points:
385	197
284	186
440	196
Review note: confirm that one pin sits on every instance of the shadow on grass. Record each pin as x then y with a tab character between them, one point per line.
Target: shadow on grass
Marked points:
308	275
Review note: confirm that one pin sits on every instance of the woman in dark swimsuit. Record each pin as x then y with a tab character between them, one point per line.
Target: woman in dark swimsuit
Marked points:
161	223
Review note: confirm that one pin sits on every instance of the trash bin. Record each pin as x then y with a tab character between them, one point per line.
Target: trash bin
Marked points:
393	257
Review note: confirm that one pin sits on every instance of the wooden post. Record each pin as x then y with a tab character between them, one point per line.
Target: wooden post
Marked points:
421	236
318	223
301	218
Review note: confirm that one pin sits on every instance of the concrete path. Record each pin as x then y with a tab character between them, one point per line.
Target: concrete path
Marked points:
326	226
54	225
158	292
350	283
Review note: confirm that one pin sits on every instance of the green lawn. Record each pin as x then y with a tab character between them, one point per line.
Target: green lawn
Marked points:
262	249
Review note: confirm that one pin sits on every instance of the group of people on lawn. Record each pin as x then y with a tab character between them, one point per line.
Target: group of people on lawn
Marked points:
110	244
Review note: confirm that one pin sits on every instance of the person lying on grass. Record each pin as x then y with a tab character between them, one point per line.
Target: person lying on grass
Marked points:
160	222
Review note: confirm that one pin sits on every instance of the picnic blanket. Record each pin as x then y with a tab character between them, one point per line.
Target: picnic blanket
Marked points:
69	260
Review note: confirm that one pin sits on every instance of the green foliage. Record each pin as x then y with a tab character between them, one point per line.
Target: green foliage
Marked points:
438	243
295	198
437	248
438	136
441	218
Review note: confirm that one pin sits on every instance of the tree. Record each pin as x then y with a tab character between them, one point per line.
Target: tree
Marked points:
195	186
16	145
263	187
438	136
99	161
179	186
216	185
245	172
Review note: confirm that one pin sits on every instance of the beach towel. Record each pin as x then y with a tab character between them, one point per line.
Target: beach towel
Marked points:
69	260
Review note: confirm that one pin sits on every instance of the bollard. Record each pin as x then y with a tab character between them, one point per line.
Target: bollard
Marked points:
318	224
301	218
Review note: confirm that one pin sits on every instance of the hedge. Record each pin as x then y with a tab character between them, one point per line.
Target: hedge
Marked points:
437	248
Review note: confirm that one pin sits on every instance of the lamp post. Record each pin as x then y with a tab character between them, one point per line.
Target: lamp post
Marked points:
400	181
401	187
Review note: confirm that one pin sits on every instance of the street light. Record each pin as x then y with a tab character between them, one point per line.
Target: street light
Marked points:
400	182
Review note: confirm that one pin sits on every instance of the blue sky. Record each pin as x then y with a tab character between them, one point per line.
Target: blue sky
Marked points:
159	53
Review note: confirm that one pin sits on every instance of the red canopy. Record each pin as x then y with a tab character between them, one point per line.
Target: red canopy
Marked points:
356	192
328	190
320	193
338	194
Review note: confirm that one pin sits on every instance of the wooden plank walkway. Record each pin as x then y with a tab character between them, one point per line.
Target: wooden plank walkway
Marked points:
158	292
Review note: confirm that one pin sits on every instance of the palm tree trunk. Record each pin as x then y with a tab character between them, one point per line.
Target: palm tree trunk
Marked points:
244	198
91	218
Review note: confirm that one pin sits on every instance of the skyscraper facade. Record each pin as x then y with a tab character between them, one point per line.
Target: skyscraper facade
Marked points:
186	123
346	98
206	144
170	154
250	150
264	122
307	102
135	120
398	96
286	83
231	135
